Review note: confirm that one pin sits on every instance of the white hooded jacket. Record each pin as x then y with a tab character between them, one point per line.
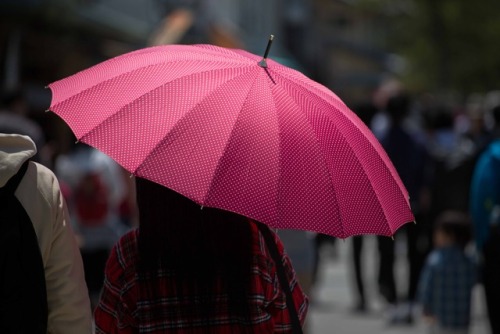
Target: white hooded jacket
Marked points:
40	195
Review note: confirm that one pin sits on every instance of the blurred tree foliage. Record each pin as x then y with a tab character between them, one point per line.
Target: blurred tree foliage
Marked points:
450	45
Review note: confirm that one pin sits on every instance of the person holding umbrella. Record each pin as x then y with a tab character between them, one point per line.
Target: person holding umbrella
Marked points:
192	270
235	132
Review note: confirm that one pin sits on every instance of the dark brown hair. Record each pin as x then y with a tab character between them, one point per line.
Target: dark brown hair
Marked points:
200	247
456	225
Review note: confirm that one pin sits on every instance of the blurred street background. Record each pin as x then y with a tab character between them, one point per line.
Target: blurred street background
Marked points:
332	309
442	51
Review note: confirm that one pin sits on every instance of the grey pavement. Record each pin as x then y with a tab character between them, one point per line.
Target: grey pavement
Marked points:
333	296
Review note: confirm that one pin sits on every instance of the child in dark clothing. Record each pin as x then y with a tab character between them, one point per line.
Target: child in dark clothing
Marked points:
446	283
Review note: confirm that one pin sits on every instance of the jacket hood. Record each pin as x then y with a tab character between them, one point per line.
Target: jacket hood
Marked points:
14	151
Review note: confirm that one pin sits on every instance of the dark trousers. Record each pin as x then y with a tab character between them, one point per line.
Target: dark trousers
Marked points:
418	246
386	280
357	247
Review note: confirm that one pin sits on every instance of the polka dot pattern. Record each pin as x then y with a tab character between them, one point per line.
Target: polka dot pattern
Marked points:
211	124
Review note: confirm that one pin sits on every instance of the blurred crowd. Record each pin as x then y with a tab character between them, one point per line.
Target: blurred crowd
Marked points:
444	152
434	142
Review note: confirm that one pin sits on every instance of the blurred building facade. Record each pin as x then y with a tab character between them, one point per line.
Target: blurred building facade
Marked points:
335	42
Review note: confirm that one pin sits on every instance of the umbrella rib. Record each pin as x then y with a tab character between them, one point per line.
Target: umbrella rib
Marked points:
107	119
228	141
160	62
324	96
322	157
348	143
193	108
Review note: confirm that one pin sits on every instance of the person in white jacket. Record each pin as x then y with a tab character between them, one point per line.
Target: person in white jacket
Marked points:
39	193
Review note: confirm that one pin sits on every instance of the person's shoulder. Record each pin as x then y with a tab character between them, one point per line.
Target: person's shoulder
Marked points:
260	251
260	246
258	243
44	180
126	248
492	152
42	171
128	242
435	258
122	260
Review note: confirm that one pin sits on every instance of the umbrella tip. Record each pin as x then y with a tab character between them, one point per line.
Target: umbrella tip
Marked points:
47	110
263	62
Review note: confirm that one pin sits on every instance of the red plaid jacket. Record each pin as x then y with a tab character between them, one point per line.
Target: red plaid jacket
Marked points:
118	308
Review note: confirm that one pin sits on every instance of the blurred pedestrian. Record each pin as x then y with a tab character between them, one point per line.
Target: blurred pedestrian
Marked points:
38	192
477	129
449	275
409	156
365	111
452	155
492	110
495	133
15	119
484	209
188	269
95	191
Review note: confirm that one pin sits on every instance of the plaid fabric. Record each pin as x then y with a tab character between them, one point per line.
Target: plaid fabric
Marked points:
121	311
446	287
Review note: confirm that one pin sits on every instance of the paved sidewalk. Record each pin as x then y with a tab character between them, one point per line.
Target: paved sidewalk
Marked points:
331	312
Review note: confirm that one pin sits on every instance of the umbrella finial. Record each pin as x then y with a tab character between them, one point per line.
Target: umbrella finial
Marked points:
263	62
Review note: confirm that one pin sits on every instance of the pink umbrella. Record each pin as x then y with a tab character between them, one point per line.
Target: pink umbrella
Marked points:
235	131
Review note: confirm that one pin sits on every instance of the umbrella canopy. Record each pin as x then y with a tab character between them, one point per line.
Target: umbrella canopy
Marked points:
228	130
